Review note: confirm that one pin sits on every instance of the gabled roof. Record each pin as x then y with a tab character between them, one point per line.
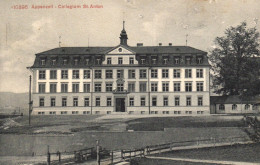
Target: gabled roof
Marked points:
234	100
137	49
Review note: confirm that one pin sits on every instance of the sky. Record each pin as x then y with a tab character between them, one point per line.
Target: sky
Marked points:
25	32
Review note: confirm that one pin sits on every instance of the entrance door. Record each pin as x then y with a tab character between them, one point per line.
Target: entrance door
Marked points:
120	104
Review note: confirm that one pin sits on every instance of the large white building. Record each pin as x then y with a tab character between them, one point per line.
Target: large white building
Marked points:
121	79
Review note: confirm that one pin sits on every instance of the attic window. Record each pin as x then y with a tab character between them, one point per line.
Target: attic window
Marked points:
156	50
154	61
165	61
86	61
76	61
53	62
199	60
65	61
177	49
98	61
87	50
43	62
143	61
176	60
63	50
188	60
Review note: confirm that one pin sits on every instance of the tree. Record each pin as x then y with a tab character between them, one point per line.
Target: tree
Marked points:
235	62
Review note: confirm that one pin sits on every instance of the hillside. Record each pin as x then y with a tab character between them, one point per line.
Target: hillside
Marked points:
13	101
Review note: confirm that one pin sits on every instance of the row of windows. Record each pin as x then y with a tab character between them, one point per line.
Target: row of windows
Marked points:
143	60
109	112
234	107
120	74
131	101
120	87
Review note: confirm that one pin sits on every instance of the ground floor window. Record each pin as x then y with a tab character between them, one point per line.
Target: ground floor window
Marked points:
200	101
63	112
188	101
53	102
75	102
86	102
188	112
41	113
142	101
41	102
64	102
165	101
109	101
98	101
177	101
131	101
75	112
154	101
52	113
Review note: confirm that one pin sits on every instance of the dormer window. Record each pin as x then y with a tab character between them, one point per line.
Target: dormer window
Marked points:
176	60
188	60
131	60
87	61
120	60
98	61
142	61
76	61
154	61
199	60
65	61
53	62
165	61
43	62
109	61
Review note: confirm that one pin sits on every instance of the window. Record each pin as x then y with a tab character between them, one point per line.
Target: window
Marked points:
43	62
165	86
131	87
165	73
98	74
188	86
177	60
187	60
176	73
75	87
142	73
98	61
53	101
120	73
142	86
97	101
109	87
65	61
86	74
52	113
177	87
165	61
154	61
41	102
188	101
75	101
131	60
41	88
75	112
142	61
199	73
109	101
63	112
64	74
234	107
86	87
76	61
53	88
247	107
165	101
154	86
53	74
131	74
200	101
109	74
120	60
64	87
221	107
199	86
97	87
131	101
187	73
154	101
154	73
86	61
109	61
120	87
199	60
41	74
177	101
254	107
86	102
75	74
64	102
142	101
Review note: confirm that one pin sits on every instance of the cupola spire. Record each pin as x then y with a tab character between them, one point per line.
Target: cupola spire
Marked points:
123	36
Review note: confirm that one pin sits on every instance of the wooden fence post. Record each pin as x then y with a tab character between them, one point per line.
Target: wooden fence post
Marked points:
48	156
98	158
59	154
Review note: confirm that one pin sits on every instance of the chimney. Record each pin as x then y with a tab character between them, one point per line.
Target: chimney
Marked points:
170	44
160	44
139	44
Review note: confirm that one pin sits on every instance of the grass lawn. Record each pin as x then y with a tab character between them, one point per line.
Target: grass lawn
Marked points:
145	161
240	152
159	123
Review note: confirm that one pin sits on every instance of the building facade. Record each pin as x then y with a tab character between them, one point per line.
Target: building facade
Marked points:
121	79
